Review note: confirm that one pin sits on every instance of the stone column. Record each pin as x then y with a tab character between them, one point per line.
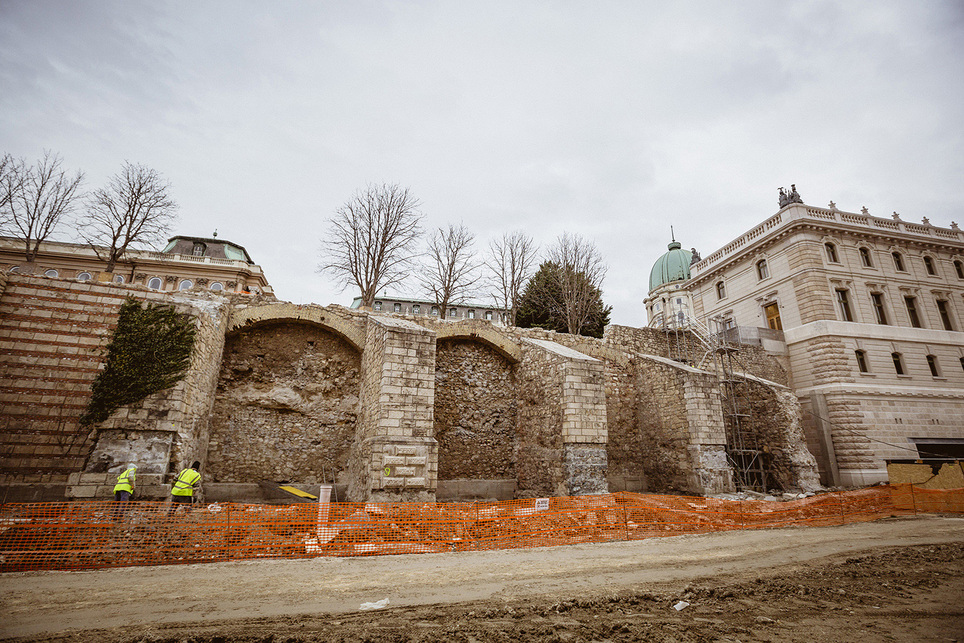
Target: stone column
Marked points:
395	455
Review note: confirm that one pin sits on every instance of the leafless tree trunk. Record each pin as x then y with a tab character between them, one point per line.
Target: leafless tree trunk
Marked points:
451	271
35	199
511	261
580	271
133	209
7	167
371	239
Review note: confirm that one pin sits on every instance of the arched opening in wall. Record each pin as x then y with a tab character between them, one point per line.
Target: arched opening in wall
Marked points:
475	417
286	406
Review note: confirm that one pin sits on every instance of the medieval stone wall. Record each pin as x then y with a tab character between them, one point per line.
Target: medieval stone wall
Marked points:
475	411
286	405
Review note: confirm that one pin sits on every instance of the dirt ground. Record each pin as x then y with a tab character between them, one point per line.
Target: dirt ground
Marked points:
890	580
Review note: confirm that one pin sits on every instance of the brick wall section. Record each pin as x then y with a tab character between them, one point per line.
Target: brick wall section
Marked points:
394	454
286	405
475	411
52	338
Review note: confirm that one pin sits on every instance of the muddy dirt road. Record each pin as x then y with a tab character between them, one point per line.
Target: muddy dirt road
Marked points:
890	580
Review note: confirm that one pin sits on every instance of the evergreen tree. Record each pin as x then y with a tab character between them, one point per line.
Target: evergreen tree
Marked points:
538	310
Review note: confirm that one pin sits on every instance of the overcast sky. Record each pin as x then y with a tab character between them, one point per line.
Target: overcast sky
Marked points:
613	120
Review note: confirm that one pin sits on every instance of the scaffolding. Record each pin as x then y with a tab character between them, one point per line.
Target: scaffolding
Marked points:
690	342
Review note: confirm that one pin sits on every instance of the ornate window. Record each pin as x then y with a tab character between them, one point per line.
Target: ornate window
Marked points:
929	265
880	314
155	283
911	303
762	272
843	299
186	284
51	273
865	259
198	249
898	261
216	286
84	276
831	252
118	279
720	289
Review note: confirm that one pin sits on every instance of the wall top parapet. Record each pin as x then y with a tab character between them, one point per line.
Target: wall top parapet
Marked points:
799	213
560	350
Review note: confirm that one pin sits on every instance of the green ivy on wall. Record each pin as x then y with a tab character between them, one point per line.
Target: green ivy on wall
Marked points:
149	352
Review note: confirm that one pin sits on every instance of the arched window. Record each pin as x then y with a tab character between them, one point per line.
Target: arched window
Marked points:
397	308
898	261
762	272
198	249
217	286
118	279
453	312
14	269
865	259
51	273
186	284
434	311
471	314
155	283
831	252
416	309
84	276
488	315
720	290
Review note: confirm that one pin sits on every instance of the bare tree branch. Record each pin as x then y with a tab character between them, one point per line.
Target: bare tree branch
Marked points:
451	271
510	261
579	273
371	239
133	209
36	198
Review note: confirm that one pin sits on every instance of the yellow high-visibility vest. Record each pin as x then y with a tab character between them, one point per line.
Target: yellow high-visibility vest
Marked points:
185	482
125	481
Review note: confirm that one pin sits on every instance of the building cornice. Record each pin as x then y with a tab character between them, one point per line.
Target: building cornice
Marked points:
881	390
847	330
798	215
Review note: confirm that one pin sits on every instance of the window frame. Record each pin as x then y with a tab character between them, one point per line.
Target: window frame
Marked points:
720	289
55	275
866	259
930	267
880	311
910	302
160	283
843	299
861	356
898	363
181	286
898	261
944	313
762	270
830	249
933	365
959	268
83	275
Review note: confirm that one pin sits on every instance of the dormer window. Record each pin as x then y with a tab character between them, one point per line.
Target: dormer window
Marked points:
198	249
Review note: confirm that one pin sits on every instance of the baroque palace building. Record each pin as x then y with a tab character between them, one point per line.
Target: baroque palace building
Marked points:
185	263
872	312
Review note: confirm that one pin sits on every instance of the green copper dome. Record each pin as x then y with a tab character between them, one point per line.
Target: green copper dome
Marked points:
672	266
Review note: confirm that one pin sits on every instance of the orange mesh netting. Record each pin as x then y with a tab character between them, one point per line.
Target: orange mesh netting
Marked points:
80	535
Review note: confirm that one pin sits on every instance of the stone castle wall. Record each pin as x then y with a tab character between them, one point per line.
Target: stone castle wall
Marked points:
387	406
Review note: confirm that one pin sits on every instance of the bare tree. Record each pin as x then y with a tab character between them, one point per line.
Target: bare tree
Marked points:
372	239
579	273
36	198
451	271
7	167
133	209
511	260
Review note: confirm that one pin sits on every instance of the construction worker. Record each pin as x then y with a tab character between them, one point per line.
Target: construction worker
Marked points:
182	491
124	489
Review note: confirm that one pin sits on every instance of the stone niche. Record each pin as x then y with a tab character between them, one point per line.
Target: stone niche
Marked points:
475	412
286	405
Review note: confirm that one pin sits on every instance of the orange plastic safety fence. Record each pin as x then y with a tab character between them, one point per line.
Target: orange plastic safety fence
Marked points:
82	535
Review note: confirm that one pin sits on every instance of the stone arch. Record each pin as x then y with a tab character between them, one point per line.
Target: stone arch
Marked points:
287	401
484	333
349	329
475	411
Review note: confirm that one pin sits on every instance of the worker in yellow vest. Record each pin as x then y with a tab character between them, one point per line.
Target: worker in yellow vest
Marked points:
182	491
124	489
